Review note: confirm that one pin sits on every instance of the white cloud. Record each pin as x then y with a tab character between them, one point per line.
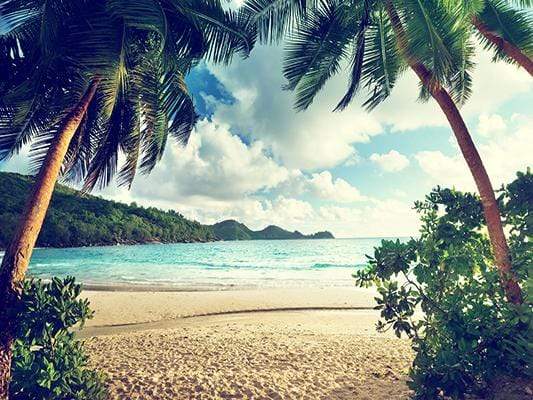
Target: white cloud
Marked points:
215	164
503	155
219	166
308	140
325	187
445	170
217	176
378	218
392	161
491	124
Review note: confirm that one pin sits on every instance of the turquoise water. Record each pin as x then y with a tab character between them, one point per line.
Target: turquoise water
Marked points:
286	263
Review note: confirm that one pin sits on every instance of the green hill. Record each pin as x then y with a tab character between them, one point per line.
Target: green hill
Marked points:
233	230
74	220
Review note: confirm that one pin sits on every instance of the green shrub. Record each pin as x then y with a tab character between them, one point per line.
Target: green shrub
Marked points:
466	334
48	362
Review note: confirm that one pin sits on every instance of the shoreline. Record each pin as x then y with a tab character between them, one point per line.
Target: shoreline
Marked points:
2	250
170	288
122	307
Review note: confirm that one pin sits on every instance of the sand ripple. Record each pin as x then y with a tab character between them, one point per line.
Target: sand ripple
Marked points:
299	356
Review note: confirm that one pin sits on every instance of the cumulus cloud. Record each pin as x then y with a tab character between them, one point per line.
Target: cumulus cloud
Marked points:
491	124
309	140
390	217
325	187
503	155
218	176
445	170
392	161
215	164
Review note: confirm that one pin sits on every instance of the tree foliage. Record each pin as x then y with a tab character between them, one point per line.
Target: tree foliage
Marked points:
443	291
75	220
328	37
137	52
48	362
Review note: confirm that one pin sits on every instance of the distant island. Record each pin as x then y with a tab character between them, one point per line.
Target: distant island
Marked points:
234	230
76	221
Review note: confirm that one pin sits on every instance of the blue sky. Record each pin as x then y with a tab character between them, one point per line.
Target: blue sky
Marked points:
253	158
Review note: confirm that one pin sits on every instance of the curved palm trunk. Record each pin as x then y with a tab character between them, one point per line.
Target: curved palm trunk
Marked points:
17	256
473	160
508	48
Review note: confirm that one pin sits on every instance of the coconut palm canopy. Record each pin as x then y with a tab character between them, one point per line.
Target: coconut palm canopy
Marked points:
378	39
326	35
137	52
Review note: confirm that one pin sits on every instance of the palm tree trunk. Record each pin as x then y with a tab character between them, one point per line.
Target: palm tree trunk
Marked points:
508	48
473	160
18	254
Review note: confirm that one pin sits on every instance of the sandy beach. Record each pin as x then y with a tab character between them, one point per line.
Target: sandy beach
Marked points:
244	344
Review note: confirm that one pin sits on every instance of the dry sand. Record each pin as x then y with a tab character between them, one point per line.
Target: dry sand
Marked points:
163	346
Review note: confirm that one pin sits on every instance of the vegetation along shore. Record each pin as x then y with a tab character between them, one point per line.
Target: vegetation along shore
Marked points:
76	220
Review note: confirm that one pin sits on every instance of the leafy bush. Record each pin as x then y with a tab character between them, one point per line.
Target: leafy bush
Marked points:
48	362
467	334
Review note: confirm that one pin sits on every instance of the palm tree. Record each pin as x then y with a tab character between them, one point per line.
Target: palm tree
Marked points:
502	28
380	39
87	81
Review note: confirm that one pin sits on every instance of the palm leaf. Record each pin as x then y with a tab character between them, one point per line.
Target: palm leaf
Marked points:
460	82
433	36
382	63
275	18
316	49
225	32
358	56
514	26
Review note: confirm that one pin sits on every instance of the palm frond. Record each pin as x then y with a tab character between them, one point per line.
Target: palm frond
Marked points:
382	63
521	3
141	14
433	36
84	143
115	134
13	20
225	32
460	82
275	18
316	49
466	7
514	26
36	107
358	55
178	107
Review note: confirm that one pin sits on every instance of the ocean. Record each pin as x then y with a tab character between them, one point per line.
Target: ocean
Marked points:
216	265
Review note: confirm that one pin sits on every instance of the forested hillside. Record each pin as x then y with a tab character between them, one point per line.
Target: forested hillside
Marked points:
75	220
